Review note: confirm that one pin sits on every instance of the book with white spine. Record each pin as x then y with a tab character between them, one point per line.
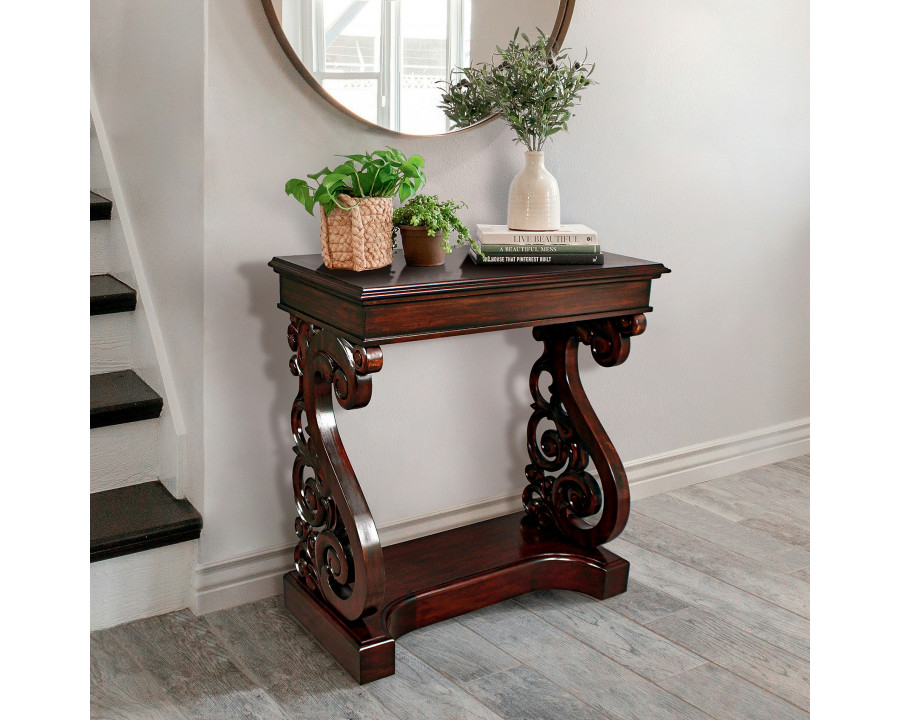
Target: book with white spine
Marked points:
566	235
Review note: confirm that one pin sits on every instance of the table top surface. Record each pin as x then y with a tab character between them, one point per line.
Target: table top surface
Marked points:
400	303
459	272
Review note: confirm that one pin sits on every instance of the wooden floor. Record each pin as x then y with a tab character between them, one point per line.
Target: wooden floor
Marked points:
715	623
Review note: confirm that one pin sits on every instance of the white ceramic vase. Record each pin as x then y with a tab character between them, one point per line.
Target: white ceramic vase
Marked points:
533	197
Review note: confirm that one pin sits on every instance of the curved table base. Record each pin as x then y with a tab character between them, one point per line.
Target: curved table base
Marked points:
454	572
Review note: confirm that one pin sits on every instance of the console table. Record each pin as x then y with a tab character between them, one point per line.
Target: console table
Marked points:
353	595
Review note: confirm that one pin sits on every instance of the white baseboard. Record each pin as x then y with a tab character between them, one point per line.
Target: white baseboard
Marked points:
718	458
140	585
257	575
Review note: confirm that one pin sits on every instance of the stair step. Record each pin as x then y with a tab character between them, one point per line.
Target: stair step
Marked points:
111	295
122	397
101	208
123	455
139	517
111	337
141	585
99	248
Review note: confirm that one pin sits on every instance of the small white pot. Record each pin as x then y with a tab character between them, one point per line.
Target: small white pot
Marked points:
533	197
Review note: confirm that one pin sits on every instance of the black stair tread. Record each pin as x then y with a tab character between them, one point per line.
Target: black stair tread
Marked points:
121	397
110	295
101	208
139	517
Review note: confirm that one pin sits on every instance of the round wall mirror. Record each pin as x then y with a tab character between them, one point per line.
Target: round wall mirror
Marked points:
381	61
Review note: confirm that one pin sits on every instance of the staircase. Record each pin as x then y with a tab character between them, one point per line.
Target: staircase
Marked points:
143	539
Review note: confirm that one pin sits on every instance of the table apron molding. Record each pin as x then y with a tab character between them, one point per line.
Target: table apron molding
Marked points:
406	319
394	339
370	299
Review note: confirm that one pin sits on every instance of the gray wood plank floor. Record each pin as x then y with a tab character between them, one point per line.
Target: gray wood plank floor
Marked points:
714	625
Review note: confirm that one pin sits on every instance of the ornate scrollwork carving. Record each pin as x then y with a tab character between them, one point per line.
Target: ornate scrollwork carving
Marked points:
338	553
587	509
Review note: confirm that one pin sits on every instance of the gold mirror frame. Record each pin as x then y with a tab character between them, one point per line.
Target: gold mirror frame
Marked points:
560	27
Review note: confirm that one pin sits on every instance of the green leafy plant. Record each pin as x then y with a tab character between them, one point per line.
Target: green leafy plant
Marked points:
382	173
532	87
435	216
467	98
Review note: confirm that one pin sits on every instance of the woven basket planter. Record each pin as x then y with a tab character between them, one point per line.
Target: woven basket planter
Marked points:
359	238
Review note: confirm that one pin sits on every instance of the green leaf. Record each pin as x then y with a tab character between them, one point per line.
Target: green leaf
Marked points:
382	173
385	174
365	183
334	179
346	169
322	192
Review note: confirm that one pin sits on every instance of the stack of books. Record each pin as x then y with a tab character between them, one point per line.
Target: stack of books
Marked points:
570	245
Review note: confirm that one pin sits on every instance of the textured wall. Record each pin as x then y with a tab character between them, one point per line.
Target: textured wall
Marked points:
692	150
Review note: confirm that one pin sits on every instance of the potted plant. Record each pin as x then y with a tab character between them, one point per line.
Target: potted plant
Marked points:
534	88
357	211
425	224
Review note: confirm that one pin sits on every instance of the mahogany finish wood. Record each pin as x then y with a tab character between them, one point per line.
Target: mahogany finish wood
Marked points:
454	572
400	303
576	436
338	554
348	591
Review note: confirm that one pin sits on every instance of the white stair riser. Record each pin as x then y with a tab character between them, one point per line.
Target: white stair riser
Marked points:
99	247
123	455
142	584
111	342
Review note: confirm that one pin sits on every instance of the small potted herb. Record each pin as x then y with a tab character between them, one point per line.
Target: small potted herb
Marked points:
425	225
356	206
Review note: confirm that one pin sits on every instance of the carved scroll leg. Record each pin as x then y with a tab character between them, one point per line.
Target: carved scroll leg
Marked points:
587	511
339	554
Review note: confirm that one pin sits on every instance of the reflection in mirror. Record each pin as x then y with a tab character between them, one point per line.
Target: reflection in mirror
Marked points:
383	59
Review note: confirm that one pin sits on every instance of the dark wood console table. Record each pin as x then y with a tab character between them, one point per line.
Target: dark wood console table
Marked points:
353	595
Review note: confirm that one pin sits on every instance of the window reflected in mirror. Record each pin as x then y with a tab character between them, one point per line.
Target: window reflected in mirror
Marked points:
383	60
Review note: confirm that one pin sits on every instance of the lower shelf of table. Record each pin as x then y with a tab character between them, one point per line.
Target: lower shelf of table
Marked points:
454	572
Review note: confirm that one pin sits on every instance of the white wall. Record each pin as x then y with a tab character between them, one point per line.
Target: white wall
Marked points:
147	67
493	24
691	150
